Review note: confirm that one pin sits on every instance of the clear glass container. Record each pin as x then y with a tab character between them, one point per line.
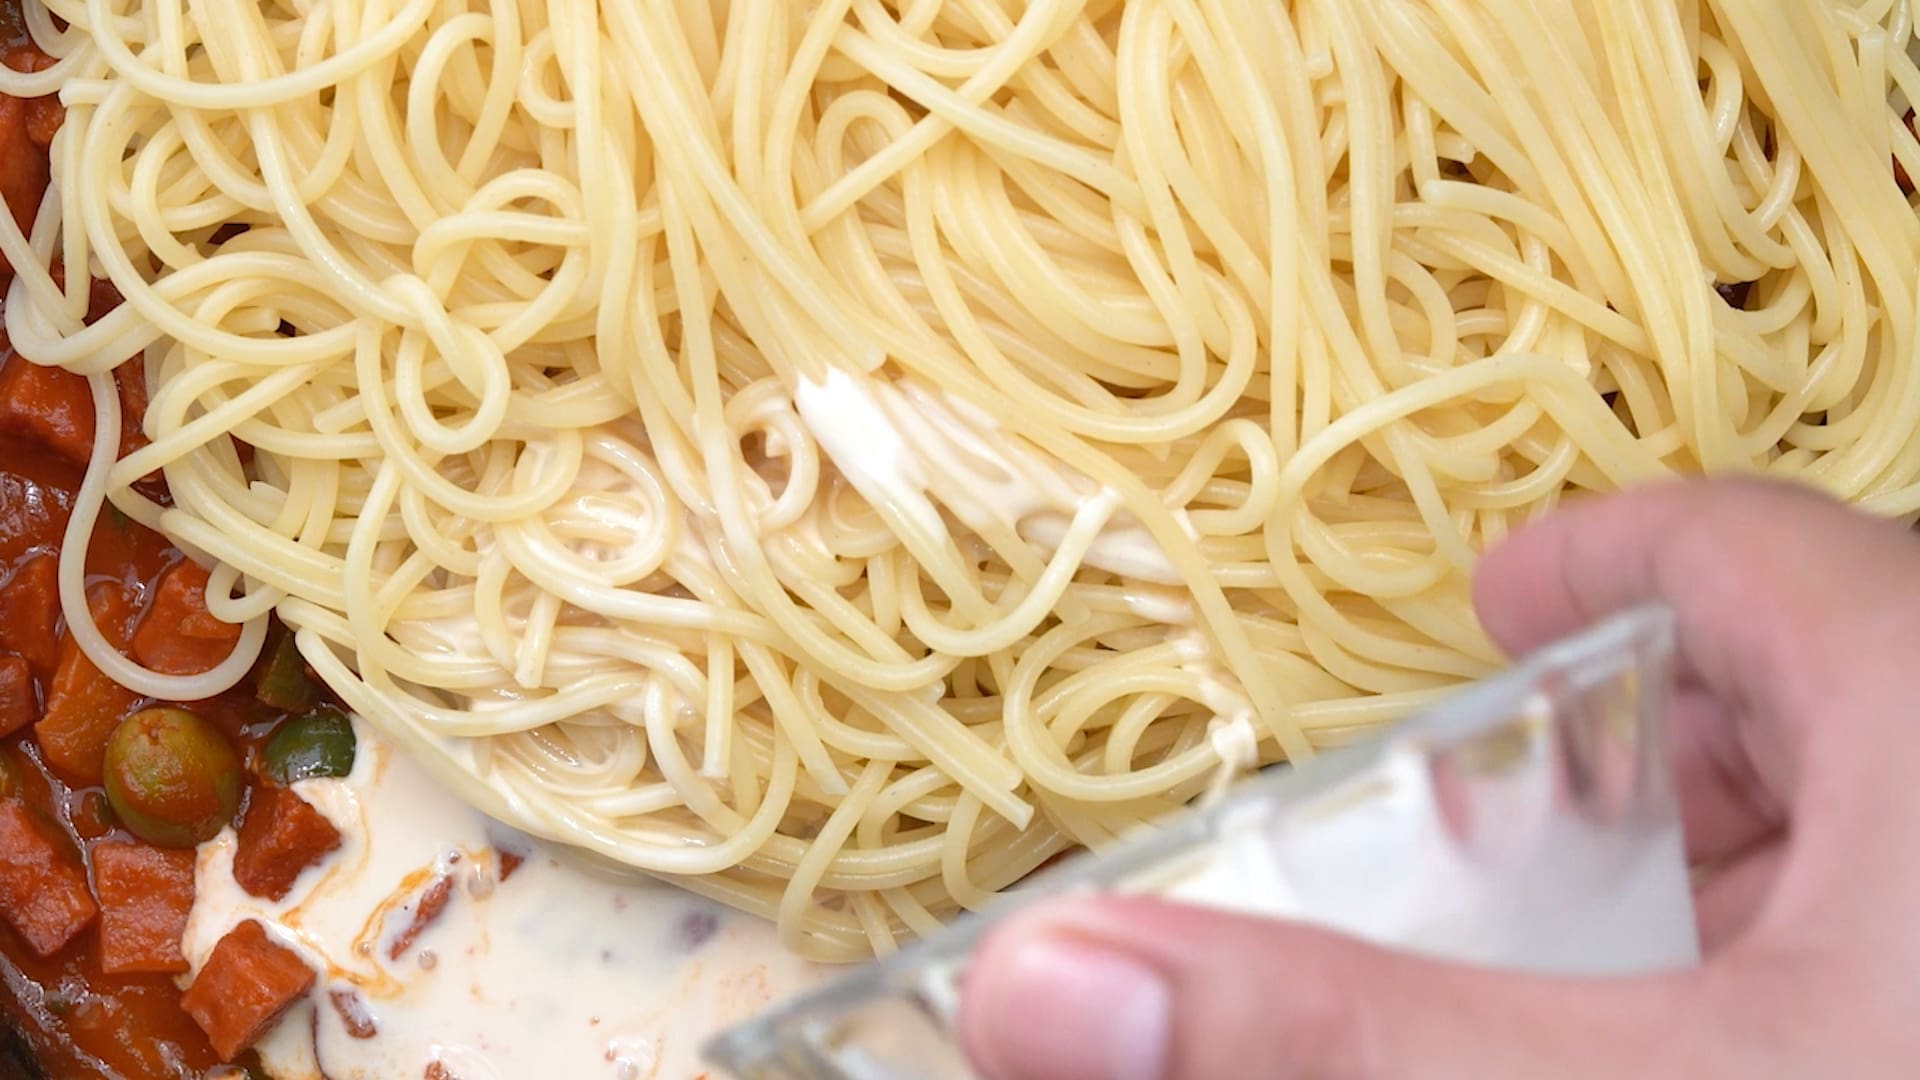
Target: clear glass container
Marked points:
1528	822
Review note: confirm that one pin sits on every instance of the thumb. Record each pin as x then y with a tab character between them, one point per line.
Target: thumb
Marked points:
1132	989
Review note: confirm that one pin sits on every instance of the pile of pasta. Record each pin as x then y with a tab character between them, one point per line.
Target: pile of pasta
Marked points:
840	456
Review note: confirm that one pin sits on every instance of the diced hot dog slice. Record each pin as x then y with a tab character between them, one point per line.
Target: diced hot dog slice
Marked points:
29	613
247	983
18	707
48	405
145	896
178	636
43	890
83	705
280	836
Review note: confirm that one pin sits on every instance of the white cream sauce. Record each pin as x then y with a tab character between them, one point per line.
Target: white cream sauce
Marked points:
556	971
898	443
854	431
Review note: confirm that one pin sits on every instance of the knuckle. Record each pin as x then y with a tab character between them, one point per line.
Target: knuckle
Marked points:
1321	1026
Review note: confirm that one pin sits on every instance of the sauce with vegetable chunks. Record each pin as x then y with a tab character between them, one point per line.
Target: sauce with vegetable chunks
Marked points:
91	907
103	999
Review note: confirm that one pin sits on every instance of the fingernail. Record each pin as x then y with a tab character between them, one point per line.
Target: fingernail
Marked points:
1065	1008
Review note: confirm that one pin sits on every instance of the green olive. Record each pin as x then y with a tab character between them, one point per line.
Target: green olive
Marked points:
171	777
318	744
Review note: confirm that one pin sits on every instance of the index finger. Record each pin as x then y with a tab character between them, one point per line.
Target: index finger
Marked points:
1790	608
1746	566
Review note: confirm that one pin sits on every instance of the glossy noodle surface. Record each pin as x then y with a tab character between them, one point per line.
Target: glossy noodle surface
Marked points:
841	456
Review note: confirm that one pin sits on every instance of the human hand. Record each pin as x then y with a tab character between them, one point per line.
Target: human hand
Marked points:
1796	735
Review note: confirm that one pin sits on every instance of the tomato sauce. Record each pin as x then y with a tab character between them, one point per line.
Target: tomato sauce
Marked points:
64	1014
77	1019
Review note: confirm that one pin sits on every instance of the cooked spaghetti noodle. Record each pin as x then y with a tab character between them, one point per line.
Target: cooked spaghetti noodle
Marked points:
841	455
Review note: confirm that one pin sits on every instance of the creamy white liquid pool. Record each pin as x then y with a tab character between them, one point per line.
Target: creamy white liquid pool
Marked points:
555	972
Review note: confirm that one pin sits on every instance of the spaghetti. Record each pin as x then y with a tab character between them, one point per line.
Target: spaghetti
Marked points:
841	456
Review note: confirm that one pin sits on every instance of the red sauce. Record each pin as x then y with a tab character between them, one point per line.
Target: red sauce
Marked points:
75	1018
79	1020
